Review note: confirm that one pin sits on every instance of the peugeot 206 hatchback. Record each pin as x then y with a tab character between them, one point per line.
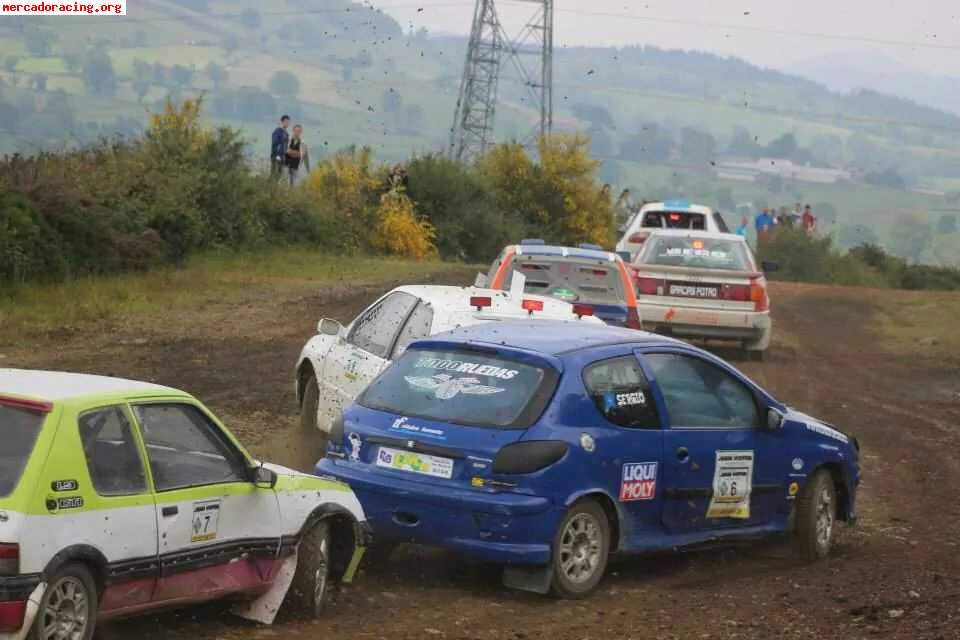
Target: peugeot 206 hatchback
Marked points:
546	447
119	497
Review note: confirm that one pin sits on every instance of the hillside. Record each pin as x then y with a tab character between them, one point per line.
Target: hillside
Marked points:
660	120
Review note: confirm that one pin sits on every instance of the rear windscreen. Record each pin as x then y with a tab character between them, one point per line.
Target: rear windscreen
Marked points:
18	432
703	253
571	280
675	220
462	387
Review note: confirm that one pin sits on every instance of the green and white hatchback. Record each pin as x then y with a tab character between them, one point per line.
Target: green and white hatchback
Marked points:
121	497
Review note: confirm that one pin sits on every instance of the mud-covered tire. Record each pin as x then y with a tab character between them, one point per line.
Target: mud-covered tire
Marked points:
311	580
308	417
68	609
815	518
581	547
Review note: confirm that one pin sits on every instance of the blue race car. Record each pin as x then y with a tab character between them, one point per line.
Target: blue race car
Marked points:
548	446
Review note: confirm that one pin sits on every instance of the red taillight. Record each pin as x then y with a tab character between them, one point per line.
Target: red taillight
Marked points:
639	238
649	286
735	292
581	310
11	616
633	319
674	217
481	302
39	406
532	305
758	295
9	559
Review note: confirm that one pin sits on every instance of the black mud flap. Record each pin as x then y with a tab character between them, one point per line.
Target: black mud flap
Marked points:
528	578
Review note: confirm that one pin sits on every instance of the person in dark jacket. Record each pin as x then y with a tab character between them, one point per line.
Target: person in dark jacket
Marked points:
297	155
278	147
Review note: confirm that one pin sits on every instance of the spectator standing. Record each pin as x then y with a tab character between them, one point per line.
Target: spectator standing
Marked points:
297	154
763	223
809	220
797	215
278	147
742	227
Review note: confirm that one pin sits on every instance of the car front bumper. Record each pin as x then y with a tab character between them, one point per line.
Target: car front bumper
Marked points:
704	322
492	526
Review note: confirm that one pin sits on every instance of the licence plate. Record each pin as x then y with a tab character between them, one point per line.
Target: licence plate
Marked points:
415	462
693	290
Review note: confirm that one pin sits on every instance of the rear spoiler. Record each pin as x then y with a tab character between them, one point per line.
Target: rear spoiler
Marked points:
39	406
697	271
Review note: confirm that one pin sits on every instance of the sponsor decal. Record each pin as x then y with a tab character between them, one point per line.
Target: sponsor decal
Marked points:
64	485
631	399
476	482
475	368
732	484
355	444
446	387
588	443
73	502
691	291
352	370
824	430
402	425
797	464
638	481
206	518
794	489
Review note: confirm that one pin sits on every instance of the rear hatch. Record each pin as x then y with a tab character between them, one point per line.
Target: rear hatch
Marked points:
21	422
440	414
582	281
692	271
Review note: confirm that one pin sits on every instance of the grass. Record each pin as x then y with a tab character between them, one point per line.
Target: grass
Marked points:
920	323
31	312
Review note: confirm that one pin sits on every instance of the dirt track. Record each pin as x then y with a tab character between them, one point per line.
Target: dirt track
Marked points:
897	575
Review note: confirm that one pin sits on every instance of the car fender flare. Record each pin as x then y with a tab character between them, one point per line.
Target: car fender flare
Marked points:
344	522
83	553
836	466
610	505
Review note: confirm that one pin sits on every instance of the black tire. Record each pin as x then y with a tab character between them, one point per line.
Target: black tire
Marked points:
816	516
61	612
581	547
308	417
310	587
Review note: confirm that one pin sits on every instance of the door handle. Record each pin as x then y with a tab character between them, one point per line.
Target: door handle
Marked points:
683	454
167	512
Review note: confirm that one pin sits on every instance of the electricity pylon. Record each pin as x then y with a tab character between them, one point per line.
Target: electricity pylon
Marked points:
473	120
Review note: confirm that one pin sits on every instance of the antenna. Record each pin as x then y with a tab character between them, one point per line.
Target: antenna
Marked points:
473	121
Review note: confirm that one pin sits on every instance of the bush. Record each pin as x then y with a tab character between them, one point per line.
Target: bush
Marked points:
398	231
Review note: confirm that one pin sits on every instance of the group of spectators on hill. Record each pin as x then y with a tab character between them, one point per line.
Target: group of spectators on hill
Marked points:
769	219
288	153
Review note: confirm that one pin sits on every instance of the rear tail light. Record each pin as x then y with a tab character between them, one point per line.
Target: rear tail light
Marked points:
638	238
481	302
582	310
758	294
11	616
649	286
736	292
532	305
9	559
633	319
528	457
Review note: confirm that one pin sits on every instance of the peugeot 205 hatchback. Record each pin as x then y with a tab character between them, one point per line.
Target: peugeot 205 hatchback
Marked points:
118	497
546	447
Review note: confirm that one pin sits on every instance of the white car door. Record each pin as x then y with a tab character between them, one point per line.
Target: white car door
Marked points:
354	361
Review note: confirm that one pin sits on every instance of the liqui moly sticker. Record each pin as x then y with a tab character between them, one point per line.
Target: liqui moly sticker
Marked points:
638	481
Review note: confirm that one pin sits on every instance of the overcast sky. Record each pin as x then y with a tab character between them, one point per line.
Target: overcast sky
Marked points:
774	33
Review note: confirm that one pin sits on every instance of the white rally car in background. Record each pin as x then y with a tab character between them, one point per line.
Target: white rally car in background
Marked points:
671	214
339	362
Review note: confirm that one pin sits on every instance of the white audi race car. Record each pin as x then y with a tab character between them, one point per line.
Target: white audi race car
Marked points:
339	362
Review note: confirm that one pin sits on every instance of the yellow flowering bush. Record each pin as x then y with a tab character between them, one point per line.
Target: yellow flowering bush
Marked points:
399	232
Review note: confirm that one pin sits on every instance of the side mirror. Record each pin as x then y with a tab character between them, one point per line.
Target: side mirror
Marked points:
264	478
769	266
329	327
625	256
774	420
480	281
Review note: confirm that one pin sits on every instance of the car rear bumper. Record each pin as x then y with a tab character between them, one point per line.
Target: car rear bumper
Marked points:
19	598
500	527
704	322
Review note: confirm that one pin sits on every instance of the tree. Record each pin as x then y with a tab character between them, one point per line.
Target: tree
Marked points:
10	63
743	144
39	81
71	61
947	223
98	74
217	74
910	236
181	75
650	145
886	178
39	42
392	102
142	70
596	115
158	73
253	103
141	88
783	147
284	83
696	146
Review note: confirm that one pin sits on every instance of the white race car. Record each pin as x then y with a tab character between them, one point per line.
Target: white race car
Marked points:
339	362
